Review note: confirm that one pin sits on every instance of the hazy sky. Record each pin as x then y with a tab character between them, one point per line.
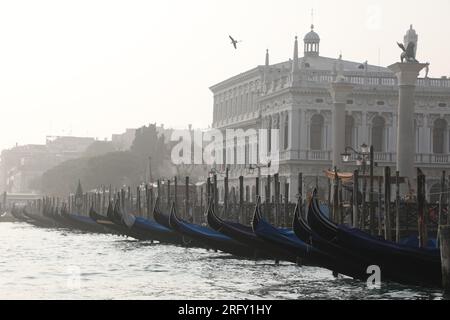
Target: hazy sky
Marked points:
97	67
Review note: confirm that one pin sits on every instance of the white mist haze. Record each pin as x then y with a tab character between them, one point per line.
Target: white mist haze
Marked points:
93	68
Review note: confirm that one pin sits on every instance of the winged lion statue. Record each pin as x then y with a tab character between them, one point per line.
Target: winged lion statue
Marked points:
409	53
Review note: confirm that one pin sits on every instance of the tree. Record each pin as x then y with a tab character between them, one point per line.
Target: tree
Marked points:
99	148
100	165
115	168
147	144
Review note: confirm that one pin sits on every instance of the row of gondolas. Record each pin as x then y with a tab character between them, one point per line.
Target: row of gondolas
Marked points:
313	240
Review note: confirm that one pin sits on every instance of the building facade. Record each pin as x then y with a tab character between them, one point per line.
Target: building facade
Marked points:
293	96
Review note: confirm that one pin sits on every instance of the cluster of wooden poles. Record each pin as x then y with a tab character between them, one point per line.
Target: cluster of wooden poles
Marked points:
363	211
376	216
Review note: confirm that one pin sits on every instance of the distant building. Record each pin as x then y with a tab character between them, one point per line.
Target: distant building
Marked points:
123	141
166	132
21	165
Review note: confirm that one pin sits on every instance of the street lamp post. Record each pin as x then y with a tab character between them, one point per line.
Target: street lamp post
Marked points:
371	208
213	173
258	167
365	158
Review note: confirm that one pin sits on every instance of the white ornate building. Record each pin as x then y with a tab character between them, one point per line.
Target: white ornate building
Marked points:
293	96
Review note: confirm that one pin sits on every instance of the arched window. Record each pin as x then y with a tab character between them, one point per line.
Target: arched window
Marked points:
349	127
286	132
378	133
439	136
316	132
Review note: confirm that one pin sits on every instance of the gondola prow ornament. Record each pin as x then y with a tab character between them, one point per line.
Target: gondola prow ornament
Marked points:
79	197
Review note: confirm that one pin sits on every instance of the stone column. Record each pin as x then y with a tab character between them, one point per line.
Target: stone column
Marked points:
339	92
303	131
294	136
293	185
407	74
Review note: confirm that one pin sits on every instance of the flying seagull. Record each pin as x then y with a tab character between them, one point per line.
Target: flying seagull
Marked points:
234	42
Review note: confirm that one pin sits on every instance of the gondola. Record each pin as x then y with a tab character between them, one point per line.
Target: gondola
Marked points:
82	223
399	263
209	237
107	222
163	219
245	235
40	220
357	265
159	216
284	239
125	222
55	214
151	229
18	215
306	254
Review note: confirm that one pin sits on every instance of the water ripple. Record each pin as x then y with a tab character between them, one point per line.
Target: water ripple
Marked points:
75	265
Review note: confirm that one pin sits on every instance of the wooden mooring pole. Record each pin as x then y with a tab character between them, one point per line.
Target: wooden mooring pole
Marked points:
226	194
268	194
371	191
276	180
397	206
186	201
148	204
208	191
442	202
215	194
445	257
168	194
336	196
380	208
341	203
355	198
300	193
286	204
421	207
138	201
257	189
241	200
387	204
175	193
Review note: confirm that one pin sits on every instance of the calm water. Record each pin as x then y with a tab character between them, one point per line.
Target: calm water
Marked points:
56	264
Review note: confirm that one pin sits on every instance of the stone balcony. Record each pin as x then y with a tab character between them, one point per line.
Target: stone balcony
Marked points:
380	157
322	78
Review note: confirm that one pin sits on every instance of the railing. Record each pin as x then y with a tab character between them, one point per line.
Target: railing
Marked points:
383	79
385	157
380	157
433	158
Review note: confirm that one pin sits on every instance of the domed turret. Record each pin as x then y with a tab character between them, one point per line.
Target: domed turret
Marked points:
312	43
